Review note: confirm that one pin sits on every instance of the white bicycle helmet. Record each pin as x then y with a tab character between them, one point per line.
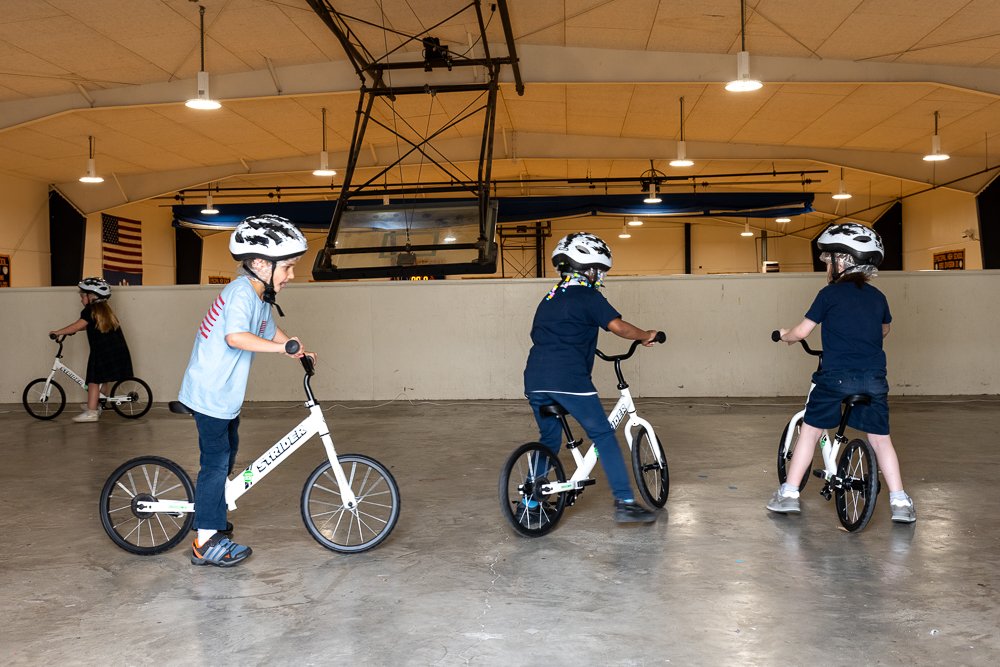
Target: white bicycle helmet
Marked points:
581	251
96	286
863	244
267	237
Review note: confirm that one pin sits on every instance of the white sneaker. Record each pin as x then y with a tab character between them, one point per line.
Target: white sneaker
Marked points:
88	416
903	511
100	408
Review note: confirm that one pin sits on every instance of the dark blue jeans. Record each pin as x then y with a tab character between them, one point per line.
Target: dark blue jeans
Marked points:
590	413
218	440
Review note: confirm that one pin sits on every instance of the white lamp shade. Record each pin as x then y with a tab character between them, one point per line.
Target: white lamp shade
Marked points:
324	166
203	101
681	159
743	83
91	175
652	198
936	155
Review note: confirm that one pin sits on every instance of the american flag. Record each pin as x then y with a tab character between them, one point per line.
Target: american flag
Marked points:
121	242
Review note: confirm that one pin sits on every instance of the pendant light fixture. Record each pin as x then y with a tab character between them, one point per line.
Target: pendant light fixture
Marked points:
624	234
743	83
209	206
648	180
681	159
936	155
203	100
782	220
635	222
324	158
746	228
91	175
842	192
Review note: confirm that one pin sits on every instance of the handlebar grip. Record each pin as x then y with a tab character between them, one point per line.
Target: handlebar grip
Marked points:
776	336
292	347
660	337
52	336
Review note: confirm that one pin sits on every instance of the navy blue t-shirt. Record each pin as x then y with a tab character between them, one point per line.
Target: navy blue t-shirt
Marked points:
852	322
564	337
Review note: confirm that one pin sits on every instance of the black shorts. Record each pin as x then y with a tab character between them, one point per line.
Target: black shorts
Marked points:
823	407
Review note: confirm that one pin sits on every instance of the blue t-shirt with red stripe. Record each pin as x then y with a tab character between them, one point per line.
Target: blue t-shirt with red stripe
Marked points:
215	381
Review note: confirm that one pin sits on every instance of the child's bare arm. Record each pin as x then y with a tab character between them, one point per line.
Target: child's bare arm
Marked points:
799	332
885	330
620	327
70	329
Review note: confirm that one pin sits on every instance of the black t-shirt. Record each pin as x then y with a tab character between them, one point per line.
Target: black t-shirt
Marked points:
564	337
852	322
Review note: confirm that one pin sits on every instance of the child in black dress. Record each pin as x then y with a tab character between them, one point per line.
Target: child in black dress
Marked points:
109	356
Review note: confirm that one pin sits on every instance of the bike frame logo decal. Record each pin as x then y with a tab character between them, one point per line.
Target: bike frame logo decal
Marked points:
619	414
280	448
73	376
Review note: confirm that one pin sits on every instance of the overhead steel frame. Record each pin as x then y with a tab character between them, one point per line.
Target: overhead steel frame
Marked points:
375	75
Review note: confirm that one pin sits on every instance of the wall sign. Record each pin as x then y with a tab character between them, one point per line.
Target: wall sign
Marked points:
949	260
219	280
4	270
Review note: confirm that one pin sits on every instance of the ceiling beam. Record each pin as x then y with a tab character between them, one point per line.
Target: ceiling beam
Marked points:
534	146
539	64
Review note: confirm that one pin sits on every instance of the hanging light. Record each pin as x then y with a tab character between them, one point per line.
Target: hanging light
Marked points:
624	234
203	100
681	159
746	228
648	180
842	192
324	158
635	222
743	83
91	175
936	155
209	206
782	220
449	237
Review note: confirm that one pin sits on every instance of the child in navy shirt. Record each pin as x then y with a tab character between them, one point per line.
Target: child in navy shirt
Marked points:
855	318
564	339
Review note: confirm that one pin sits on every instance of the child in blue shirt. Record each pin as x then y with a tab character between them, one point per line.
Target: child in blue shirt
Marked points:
855	318
239	323
564	339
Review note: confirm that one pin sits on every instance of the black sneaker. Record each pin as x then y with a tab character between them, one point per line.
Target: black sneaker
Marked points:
629	511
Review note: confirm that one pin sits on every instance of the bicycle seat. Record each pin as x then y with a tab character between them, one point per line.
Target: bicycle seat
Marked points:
552	410
179	408
857	399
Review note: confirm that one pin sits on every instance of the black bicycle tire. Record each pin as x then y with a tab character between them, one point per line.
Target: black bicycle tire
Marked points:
866	488
105	508
53	383
380	535
120	410
508	504
660	499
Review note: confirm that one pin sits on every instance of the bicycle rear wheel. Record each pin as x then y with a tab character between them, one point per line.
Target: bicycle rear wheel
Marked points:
147	478
652	479
858	468
522	502
365	525
135	398
41	403
785	453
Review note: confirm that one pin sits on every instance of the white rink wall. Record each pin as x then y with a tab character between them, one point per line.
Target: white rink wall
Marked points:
468	339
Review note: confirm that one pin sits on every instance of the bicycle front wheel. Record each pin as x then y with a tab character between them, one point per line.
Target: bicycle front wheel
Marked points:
148	478
652	477
858	469
131	398
526	472
43	402
356	529
786	447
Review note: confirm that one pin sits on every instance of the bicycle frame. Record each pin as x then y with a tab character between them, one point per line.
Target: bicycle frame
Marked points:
314	424
59	367
828	447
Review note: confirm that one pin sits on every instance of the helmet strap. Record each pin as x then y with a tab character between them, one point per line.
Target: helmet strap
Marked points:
269	293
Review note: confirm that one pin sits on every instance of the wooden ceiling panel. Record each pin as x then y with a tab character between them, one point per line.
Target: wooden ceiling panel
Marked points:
764	131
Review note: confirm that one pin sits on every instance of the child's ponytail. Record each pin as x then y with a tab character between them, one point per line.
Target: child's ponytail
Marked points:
104	317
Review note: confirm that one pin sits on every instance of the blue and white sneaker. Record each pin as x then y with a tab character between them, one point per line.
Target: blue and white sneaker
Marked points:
220	551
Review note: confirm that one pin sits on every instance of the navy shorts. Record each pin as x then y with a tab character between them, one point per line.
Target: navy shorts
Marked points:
823	408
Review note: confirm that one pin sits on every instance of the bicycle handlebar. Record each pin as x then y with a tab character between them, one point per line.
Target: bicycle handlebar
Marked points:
776	337
293	347
660	337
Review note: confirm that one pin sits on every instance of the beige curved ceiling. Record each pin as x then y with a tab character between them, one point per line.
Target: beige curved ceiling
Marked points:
848	83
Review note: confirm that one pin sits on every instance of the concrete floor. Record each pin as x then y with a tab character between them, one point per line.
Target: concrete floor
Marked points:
716	581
